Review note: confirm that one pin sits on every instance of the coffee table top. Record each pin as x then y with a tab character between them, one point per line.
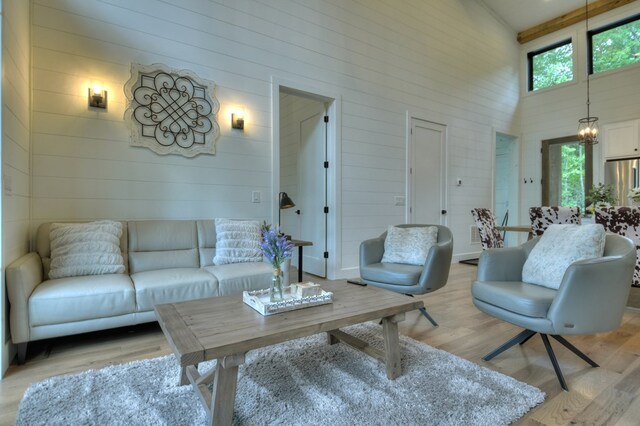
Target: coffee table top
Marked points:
205	329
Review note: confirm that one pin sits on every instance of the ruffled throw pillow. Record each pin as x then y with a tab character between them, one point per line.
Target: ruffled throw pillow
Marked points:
85	249
409	245
558	248
237	241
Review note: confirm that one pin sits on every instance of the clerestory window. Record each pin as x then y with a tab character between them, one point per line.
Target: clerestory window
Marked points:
615	45
550	65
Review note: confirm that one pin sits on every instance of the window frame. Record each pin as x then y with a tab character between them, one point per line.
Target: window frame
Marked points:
546	144
601	30
531	54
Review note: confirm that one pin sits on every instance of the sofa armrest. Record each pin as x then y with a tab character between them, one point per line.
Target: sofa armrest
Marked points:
371	251
22	276
503	264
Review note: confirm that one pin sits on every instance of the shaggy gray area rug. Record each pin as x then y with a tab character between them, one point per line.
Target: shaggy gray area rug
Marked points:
301	382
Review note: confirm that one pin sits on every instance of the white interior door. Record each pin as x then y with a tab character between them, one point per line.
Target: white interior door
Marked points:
427	173
312	194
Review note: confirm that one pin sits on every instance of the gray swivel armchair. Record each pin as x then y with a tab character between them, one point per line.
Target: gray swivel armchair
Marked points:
404	278
590	299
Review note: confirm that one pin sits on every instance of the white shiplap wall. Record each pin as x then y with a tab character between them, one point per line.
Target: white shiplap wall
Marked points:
15	144
554	112
446	61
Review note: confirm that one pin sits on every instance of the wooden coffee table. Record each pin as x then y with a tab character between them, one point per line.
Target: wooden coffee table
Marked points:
225	329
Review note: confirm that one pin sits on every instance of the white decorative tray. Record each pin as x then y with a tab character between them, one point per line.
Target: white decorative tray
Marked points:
259	300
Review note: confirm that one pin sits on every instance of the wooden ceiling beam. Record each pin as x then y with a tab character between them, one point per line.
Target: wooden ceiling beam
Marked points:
596	8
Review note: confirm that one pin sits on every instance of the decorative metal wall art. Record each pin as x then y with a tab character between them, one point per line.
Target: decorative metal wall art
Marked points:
171	111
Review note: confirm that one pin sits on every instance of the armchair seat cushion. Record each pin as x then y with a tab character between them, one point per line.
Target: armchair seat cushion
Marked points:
392	273
515	296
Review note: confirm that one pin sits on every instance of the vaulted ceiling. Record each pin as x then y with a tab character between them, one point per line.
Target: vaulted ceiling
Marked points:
535	18
523	14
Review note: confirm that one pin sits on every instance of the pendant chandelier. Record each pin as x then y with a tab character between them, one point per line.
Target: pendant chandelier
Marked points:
588	126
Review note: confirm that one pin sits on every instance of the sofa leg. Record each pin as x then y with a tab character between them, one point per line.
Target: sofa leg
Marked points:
22	353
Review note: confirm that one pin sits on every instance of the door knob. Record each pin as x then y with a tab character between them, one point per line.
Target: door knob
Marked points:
443	212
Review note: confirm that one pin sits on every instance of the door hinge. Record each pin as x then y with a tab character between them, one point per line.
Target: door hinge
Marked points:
326	164
411	131
326	254
326	209
326	118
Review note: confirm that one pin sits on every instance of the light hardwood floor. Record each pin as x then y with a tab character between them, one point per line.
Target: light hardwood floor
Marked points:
609	395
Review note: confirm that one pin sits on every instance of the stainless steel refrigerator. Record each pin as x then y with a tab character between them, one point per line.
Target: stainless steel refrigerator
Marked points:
624	175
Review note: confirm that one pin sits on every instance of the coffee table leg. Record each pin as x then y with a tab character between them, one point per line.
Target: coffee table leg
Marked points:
392	345
224	390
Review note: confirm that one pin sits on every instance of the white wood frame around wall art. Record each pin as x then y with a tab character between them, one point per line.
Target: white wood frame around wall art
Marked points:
171	111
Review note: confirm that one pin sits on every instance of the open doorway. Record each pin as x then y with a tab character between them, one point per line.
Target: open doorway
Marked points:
506	184
567	172
304	175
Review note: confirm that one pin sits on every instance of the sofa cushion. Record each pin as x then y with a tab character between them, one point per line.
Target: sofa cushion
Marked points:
237	277
237	241
172	285
515	296
79	249
558	248
162	244
206	241
409	245
81	298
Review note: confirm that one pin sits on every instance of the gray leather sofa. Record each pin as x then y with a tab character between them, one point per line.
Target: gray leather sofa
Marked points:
166	261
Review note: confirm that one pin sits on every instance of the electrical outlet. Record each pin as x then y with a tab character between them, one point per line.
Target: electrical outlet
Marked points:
459	182
255	197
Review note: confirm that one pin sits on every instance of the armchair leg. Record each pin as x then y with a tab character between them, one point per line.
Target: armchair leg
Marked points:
554	361
521	337
525	335
424	312
527	339
575	350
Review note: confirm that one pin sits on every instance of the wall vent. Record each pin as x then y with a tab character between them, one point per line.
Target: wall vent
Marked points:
475	235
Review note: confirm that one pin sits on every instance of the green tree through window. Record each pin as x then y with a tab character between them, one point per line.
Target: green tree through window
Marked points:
551	66
573	174
615	47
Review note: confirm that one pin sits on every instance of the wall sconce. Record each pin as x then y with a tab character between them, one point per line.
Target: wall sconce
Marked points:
284	202
237	120
97	97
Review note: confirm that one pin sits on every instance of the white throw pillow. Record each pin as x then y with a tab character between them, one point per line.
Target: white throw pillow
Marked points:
409	245
558	248
85	249
237	241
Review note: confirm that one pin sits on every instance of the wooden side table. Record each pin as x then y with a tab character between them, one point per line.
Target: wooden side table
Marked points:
300	244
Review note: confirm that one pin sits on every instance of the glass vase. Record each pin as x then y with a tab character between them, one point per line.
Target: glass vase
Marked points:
275	290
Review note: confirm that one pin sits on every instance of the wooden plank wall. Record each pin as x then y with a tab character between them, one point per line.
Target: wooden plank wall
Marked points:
15	146
554	112
449	62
